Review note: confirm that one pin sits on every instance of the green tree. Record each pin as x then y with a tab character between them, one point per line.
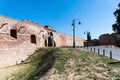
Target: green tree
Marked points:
116	25
88	37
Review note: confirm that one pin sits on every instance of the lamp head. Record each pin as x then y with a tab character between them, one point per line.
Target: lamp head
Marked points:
79	22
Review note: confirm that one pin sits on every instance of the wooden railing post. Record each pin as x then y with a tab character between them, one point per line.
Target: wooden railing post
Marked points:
103	52
91	48
94	49
98	50
110	54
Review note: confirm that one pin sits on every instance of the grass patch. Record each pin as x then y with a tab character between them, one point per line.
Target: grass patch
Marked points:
80	63
32	63
87	63
62	59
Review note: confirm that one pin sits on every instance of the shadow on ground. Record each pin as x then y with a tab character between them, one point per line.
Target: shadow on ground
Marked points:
43	67
115	63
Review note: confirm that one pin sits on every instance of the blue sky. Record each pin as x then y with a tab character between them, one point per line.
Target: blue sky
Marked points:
96	16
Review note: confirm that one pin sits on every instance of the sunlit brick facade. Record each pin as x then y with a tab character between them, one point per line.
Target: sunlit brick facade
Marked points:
20	38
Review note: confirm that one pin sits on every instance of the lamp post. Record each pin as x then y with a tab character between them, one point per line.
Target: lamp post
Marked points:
73	24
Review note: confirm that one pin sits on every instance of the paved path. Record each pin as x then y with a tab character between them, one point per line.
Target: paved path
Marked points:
115	51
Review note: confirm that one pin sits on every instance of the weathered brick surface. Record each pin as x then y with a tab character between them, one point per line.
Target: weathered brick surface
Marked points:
109	39
19	39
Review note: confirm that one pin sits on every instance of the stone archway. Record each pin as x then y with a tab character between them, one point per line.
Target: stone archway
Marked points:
3	25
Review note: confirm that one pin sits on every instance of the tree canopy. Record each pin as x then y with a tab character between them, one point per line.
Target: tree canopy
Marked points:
88	37
116	25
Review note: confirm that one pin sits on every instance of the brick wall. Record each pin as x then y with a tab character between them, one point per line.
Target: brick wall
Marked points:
19	39
109	39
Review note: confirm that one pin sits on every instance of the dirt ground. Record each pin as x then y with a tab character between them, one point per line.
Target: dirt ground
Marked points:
6	73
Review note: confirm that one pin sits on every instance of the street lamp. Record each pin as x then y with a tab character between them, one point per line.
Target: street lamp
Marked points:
73	24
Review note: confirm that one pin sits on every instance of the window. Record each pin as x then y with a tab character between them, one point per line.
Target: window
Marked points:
33	39
13	33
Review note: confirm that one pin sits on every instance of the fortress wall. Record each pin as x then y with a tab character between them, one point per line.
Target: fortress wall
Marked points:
15	40
66	40
19	39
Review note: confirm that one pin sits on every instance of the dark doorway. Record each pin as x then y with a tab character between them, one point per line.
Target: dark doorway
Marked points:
33	39
50	41
13	33
45	43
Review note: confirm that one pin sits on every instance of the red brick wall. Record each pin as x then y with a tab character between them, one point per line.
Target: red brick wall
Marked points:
14	49
107	39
